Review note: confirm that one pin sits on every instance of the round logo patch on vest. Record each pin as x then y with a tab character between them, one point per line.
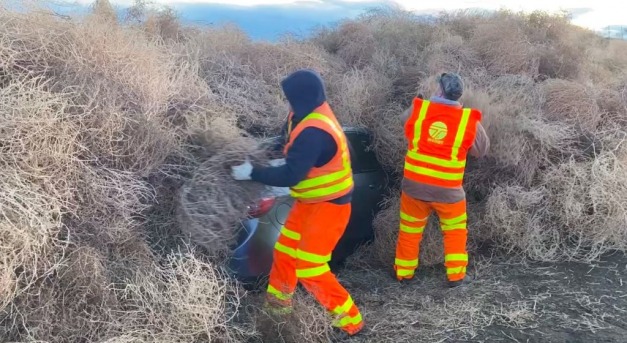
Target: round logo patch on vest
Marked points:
438	131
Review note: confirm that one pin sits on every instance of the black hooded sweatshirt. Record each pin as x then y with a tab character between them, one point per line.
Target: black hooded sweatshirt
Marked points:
304	90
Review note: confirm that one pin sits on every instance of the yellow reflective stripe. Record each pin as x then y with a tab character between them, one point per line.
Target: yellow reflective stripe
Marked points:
338	130
290	234
455	270
324	118
347	320
410	229
309	257
418	125
454	227
455	220
406	263
286	250
312	272
408	218
456	257
344	308
324	179
434	173
320	192
404	272
436	161
278	294
461	131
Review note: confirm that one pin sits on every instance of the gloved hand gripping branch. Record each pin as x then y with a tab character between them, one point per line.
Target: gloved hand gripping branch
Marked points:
242	171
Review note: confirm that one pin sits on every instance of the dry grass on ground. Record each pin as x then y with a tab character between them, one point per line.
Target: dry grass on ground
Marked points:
110	129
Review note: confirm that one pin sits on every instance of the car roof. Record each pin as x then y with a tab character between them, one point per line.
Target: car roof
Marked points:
355	129
346	129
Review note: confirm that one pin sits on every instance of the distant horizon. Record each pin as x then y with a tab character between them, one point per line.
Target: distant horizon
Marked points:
263	20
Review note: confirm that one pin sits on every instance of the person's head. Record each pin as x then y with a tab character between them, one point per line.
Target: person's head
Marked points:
451	86
304	90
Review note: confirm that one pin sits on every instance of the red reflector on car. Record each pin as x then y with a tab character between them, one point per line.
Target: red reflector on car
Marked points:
262	207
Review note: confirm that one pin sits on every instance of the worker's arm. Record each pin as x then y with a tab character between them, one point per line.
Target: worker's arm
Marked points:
303	155
405	115
482	143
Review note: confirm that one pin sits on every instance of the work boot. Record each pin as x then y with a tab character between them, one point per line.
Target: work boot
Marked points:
277	310
465	281
341	335
402	279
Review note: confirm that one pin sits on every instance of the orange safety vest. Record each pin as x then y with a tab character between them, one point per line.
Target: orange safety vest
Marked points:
332	180
439	137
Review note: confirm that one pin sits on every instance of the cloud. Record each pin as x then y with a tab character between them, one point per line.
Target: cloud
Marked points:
576	12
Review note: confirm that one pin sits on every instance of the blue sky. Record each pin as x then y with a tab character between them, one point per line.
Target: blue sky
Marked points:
267	19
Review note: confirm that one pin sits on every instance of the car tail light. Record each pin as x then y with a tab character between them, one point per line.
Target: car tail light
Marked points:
262	207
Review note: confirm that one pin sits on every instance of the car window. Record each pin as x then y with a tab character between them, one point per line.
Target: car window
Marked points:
363	158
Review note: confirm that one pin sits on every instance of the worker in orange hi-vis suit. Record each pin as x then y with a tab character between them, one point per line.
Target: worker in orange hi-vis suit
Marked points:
440	133
318	171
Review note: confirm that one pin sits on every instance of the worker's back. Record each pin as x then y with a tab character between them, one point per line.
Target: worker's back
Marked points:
440	134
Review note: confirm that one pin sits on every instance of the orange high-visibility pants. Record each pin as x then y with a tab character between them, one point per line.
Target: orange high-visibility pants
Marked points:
414	216
302	253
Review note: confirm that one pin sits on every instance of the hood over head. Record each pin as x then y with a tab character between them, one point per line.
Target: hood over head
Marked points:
304	90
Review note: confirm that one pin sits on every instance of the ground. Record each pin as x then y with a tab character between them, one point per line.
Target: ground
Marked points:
507	302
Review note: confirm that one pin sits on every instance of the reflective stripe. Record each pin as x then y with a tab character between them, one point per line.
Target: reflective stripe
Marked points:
435	161
320	192
312	272
408	218
314	258
409	229
322	180
434	173
278	294
418	125
348	320
324	118
461	132
455	270
404	272
344	308
456	257
454	227
286	250
455	220
406	263
290	234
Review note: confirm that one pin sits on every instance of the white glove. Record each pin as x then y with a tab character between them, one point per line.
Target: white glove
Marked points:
277	162
242	171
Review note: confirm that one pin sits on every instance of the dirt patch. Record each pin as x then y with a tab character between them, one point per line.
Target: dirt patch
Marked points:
508	301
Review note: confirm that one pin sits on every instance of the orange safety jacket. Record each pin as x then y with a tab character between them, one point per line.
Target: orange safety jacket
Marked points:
332	180
439	137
